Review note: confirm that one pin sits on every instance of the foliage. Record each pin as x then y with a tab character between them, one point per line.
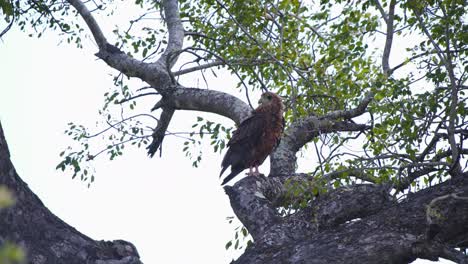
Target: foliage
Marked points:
241	238
9	252
6	197
6	7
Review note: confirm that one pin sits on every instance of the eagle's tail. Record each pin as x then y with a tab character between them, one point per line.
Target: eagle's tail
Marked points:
223	169
234	172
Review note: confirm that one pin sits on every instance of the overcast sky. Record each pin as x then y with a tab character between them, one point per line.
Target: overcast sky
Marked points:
172	212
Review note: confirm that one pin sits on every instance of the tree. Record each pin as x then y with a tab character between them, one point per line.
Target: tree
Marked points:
398	195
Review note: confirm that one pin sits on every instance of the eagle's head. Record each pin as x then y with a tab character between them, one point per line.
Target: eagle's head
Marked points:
271	100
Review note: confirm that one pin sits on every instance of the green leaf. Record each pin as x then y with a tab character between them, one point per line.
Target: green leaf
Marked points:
6	7
228	245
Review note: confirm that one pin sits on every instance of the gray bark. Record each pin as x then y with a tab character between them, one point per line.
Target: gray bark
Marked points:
355	224
45	238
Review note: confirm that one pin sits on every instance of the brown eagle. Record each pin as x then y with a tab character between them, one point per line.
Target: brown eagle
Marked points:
255	138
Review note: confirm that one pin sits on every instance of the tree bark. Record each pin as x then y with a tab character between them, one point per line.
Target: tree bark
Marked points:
355	224
43	236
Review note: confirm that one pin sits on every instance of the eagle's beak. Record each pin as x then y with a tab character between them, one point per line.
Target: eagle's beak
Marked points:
260	101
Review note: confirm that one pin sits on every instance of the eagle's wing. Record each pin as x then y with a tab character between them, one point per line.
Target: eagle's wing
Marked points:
283	125
243	140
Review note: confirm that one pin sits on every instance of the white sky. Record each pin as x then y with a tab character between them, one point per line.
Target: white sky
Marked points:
172	212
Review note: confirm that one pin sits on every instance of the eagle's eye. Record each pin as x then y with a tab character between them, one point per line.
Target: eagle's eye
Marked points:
269	97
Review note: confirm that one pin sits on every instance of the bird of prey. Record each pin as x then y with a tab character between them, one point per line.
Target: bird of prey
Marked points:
255	138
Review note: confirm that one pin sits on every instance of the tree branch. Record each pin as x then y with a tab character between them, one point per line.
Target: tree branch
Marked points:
206	101
153	73
389	39
254	200
93	26
299	133
45	237
242	62
251	206
348	114
354	224
446	60
160	130
180	98
381	10
176	33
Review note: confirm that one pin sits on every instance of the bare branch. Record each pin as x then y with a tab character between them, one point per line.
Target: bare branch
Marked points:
8	27
447	61
99	37
381	10
153	73
419	56
242	62
348	114
176	33
137	96
355	172
160	131
206	101
283	159
389	40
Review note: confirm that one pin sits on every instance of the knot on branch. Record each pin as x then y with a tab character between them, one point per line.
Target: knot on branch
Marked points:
108	50
445	222
121	248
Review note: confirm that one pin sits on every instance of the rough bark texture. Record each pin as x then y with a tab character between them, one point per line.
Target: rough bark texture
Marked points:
45	238
356	224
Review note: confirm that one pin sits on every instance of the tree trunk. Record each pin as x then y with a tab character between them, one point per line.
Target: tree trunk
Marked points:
43	236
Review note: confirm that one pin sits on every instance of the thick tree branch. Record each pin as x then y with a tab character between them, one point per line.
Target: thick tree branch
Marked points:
254	200
204	100
355	224
46	238
156	74
176	33
251	206
153	73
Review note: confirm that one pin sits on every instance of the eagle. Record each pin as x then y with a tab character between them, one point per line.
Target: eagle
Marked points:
255	138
